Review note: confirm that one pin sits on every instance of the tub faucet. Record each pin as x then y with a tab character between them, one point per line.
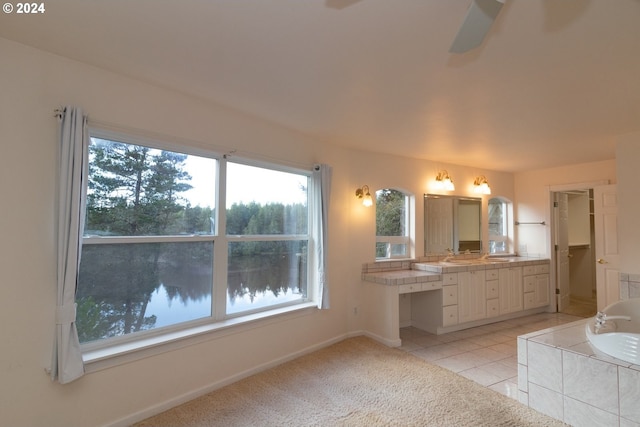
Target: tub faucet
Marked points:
601	319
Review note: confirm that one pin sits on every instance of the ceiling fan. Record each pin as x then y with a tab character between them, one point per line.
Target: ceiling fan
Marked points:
476	25
474	28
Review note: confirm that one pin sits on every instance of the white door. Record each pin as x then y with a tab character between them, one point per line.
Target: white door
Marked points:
563	279
605	211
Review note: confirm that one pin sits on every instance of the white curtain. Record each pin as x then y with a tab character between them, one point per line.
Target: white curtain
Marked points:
66	364
321	193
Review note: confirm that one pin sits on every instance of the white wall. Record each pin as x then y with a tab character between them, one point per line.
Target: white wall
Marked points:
628	160
532	193
33	84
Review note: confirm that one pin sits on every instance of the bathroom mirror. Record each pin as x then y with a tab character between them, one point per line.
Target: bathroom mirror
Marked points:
452	223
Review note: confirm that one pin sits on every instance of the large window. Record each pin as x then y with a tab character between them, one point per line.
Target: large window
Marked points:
158	253
392	224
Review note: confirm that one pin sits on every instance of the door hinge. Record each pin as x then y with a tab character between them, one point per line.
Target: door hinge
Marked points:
555	204
557	291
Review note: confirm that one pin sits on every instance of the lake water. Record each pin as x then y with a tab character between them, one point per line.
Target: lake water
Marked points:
169	312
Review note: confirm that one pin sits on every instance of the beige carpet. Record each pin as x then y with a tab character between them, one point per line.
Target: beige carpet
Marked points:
356	382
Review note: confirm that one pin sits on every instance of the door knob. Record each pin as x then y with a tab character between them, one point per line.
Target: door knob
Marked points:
602	261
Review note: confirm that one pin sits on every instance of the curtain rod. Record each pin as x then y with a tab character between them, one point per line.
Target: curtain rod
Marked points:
223	150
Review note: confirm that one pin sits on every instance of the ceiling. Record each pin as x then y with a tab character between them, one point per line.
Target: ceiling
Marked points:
554	82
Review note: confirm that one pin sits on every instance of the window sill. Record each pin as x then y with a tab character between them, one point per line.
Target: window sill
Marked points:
105	358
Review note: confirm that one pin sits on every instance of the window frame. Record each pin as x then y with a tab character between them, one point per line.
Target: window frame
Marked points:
113	350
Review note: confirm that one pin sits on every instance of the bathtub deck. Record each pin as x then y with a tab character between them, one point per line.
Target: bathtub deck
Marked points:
560	374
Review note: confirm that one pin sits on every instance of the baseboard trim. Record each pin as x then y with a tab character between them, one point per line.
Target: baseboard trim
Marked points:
385	341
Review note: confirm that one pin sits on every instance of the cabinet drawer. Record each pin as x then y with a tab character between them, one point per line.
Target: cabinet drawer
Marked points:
450	315
449	279
528	270
450	295
492	274
493	307
529	300
410	287
529	283
493	289
542	269
429	286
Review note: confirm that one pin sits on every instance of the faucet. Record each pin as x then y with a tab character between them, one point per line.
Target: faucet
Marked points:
601	319
450	254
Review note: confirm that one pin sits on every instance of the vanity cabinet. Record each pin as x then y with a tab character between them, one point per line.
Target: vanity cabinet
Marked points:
536	286
472	300
510	289
446	297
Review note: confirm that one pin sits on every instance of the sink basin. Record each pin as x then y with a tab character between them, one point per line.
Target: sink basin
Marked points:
475	261
458	262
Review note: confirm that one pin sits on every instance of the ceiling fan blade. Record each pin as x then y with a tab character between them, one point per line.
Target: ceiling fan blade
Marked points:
339	4
476	25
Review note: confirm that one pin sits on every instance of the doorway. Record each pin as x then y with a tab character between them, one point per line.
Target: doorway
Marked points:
575	251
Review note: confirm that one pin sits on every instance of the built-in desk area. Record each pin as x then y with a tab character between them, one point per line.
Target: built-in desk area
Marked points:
446	296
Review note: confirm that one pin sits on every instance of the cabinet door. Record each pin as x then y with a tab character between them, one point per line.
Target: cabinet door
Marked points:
510	284
472	300
541	290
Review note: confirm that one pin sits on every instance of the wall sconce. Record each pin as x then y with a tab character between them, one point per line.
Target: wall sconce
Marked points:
444	181
363	194
481	185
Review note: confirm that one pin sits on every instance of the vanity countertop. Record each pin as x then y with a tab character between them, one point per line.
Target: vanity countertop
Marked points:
470	264
430	271
401	277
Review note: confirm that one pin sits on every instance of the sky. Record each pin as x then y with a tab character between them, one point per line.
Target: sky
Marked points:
245	184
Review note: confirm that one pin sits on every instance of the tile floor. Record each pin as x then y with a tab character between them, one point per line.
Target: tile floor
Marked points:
583	307
485	354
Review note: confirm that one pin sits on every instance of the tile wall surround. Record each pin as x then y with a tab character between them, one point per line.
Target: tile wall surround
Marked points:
384	266
405	264
629	285
561	375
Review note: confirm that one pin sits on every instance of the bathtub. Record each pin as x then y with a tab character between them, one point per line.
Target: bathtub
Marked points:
616	330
